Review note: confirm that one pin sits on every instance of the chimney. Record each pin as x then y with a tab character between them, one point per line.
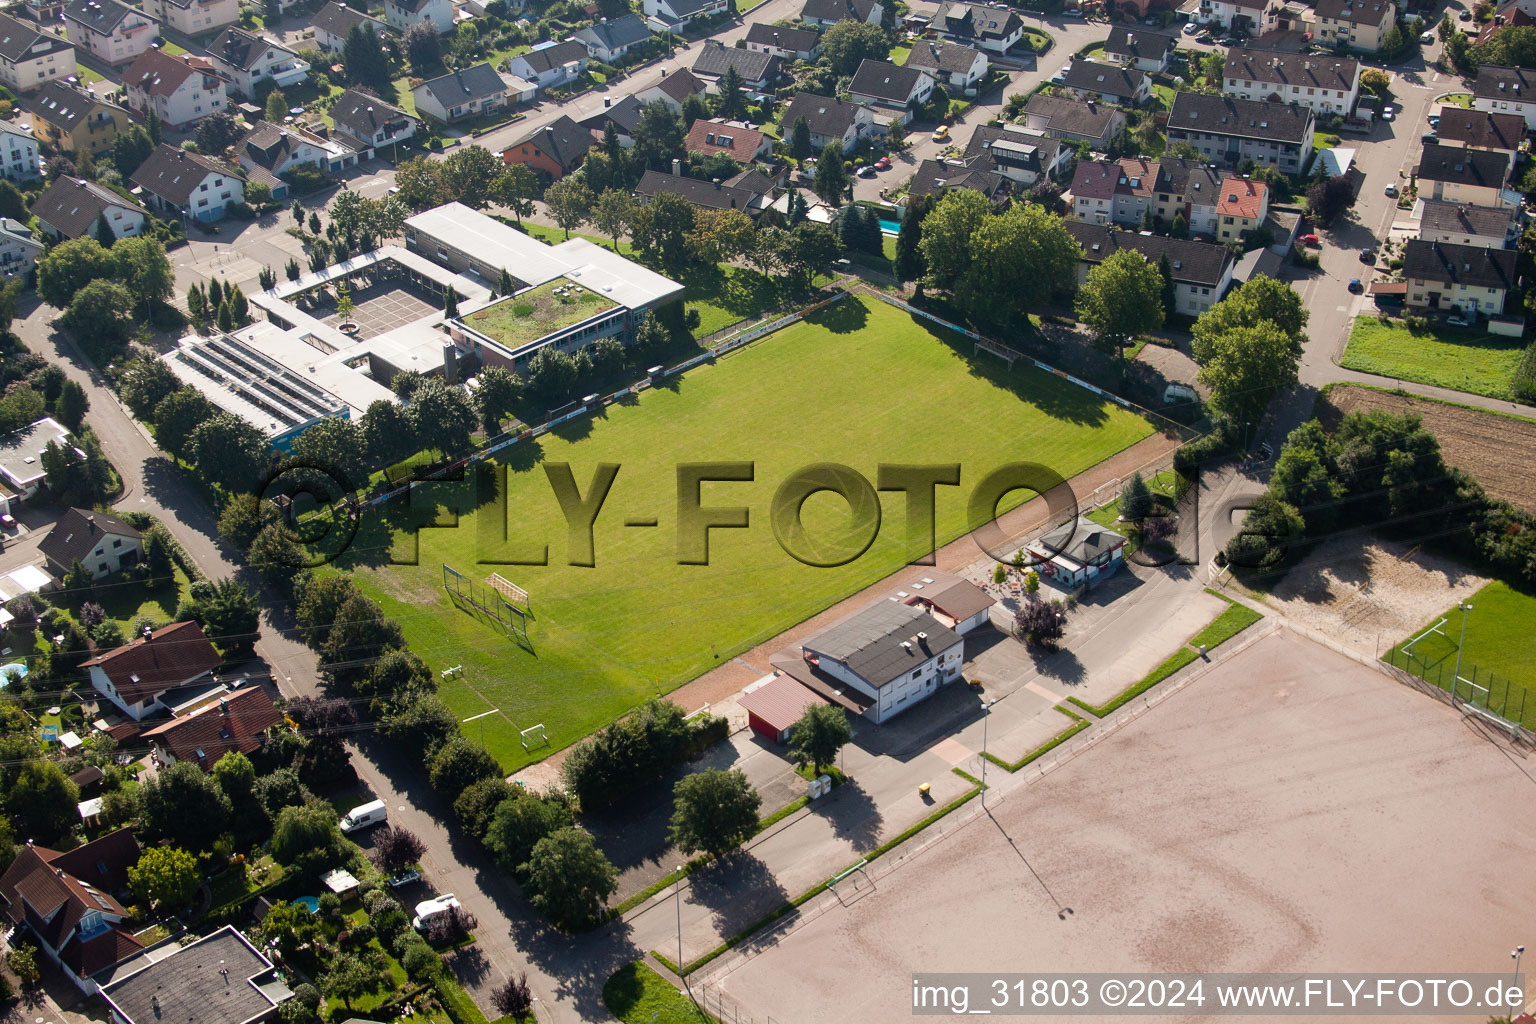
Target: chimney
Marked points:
677	168
717	183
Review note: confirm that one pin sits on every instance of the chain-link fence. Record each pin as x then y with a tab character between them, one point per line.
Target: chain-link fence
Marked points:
1475	686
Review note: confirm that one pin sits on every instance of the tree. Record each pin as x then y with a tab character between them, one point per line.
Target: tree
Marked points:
183	804
1135	498
364	59
1040	622
1212	65
467	175
72	405
612	213
1392	42
818	736
440	417
1004	260
130	149
305	829
103	232
1121	299
909	256
349	977
177	416
41	802
396	849
450	302
1245	367
229	451
12	203
217	132
165	877
22	960
460	762
359	634
236	776
714	811
277	106
659	137
570	202
664	226
722	236
243	517
228	611
498	391
69	266
800	140
512	998
731	101
1328	198
1377	81
386	434
831	180
518	824
569	878
850	43
1261	298
808	249
1446	28
947	230
146	384
146	271
100	317
516	188
422	47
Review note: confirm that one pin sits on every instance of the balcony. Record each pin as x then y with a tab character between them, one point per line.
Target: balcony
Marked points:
290	72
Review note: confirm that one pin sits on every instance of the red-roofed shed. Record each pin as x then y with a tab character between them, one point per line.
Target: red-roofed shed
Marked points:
774	708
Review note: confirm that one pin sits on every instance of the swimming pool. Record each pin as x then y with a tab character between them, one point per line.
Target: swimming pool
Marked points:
890	227
309	903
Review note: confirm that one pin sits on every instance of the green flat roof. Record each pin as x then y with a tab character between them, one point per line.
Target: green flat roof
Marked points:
527	316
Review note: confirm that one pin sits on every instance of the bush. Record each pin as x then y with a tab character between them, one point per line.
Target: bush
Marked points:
627	754
1524	382
420	962
450	927
512	997
377	902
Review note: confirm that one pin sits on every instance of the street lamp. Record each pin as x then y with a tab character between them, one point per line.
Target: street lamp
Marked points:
1515	955
677	897
1455	679
986	714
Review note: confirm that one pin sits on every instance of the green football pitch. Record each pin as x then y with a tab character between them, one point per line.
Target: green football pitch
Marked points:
861	383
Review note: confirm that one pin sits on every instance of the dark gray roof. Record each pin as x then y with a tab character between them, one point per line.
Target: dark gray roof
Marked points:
752	180
61	104
219	979
1081	540
935	177
239	48
72	206
1361	12
1248	119
1201	263
101	15
871	641
473	83
884	80
563	140
976	21
173	174
1475	265
1139	43
616	33
364	116
266	145
17	37
1496	83
823	114
1471	220
550	57
1011	148
77	533
1086	119
1480	167
1181	176
338	19
681	84
1480	129
837	10
1303	70
950	58
1104	79
705	194
751	65
783	37
624	114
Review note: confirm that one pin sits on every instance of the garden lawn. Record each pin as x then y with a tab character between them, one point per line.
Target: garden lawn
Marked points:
635	994
395	974
1499	640
899	54
860	383
124	601
1458	358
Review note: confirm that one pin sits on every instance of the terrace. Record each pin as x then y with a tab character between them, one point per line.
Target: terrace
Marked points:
528	316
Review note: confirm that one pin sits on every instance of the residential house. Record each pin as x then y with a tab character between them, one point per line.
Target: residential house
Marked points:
1455	174
550	64
611	39
829	120
194	17
1202	271
891	89
1461	224
758	71
996	29
623	115
938	177
1501	90
1106	83
245	59
334	22
957	603
1328	85
784	42
74	119
1250	17
735	139
460	94
958	68
19	248
1189	188
706	195
675	15
1141	48
1478	129
218	979
72	207
1229	131
826	13
100	541
159	671
1358	24
674	89
30	56
182	184
272	150
1078	553
112	32
553	150
367	123
1468	278
1114	192
19	159
21	456
1074	121
65	901
181	90
401	15
1018	154
1241	208
236	723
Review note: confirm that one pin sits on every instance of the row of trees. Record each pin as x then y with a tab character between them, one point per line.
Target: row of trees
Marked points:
103	290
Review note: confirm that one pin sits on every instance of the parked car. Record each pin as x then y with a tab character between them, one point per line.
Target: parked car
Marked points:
1190	28
1354	285
1074	13
1367	255
1458	321
1206	38
1427	38
8	521
409	876
867	171
1464	16
941	133
1430	137
1311	241
883	164
1390	191
426	910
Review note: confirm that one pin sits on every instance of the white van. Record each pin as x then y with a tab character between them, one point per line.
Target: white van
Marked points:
426	910
366	816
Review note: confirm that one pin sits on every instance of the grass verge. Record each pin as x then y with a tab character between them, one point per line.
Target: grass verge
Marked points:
635	994
1458	358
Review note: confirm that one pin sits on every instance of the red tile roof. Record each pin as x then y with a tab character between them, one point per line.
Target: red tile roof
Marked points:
235	722
781	702
1240	198
735	139
168	657
53	891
